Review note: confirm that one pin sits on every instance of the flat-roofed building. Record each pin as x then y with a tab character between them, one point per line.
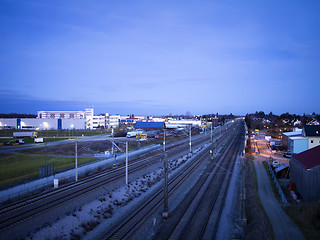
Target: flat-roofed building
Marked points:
298	144
287	135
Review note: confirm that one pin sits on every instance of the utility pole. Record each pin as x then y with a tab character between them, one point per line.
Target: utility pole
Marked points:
211	133
165	213
112	141
190	140
127	163
164	140
76	161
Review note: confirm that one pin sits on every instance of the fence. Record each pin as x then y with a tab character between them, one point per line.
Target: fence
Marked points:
275	180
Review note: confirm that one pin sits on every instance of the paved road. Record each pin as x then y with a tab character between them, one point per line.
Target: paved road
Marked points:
283	226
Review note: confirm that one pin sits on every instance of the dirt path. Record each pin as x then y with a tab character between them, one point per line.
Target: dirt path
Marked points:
283	226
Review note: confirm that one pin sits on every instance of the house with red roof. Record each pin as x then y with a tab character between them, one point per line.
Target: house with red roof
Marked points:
305	173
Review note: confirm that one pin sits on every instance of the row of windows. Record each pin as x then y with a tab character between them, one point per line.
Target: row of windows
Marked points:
62	115
311	141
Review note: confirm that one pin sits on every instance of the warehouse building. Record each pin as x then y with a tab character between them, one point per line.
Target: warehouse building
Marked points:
305	173
149	125
42	124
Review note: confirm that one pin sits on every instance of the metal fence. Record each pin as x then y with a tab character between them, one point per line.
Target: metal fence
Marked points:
278	187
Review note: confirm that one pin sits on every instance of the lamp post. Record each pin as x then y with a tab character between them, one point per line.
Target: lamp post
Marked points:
112	140
190	140
127	163
164	140
76	161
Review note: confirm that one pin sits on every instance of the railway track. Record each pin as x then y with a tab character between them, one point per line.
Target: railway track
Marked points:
126	228
13	214
199	216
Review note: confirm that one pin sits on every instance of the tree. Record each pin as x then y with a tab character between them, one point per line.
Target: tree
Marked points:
248	121
188	115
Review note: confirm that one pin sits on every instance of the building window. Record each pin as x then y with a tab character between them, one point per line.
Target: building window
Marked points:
61	115
71	115
52	115
311	141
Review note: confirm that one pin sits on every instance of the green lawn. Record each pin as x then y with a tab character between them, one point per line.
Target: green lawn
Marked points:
22	167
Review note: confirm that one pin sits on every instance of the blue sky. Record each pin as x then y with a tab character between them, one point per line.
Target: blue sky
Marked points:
160	57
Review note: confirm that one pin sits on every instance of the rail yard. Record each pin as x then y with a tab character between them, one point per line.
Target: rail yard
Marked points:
197	190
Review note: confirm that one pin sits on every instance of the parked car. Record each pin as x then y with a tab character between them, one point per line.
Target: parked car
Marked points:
288	154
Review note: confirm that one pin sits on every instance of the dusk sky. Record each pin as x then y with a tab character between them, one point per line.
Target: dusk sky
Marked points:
160	57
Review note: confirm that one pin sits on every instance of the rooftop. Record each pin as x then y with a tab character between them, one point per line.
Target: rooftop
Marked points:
149	125
309	158
299	132
312	130
298	137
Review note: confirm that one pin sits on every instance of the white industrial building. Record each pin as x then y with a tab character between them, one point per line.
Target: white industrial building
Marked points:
112	121
68	118
42	124
183	123
98	122
66	114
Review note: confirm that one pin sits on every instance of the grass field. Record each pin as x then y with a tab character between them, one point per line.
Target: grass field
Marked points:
23	165
17	168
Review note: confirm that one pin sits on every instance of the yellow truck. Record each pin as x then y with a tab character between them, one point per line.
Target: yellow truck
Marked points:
142	136
25	134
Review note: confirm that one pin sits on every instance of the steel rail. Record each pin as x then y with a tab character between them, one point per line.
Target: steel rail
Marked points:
123	229
7	222
199	196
